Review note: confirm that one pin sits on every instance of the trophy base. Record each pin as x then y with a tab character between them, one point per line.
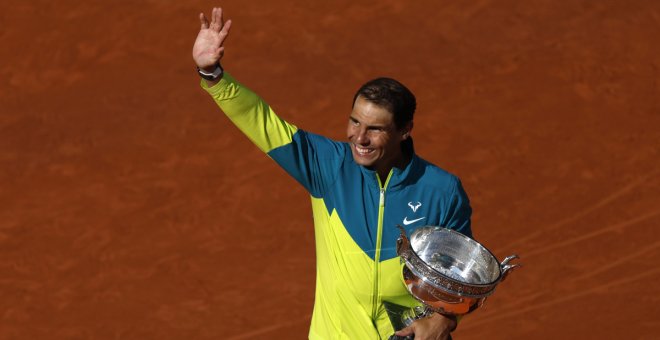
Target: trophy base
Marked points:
413	314
402	317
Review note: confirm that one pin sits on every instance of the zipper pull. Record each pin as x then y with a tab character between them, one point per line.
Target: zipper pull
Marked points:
382	197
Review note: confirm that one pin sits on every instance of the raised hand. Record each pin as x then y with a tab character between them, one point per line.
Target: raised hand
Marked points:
208	48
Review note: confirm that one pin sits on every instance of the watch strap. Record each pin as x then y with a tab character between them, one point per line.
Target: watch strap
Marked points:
217	73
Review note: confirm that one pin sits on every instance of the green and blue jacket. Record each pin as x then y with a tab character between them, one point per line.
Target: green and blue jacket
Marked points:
355	215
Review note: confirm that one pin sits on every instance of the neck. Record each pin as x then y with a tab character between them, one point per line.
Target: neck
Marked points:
382	175
400	164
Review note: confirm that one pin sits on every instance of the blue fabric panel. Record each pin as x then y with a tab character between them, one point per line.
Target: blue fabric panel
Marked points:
421	195
312	160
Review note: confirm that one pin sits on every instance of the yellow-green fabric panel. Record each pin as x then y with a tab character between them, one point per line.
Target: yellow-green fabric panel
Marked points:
344	307
393	288
344	282
251	114
383	323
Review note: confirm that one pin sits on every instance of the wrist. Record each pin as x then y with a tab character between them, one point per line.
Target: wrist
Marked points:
453	323
211	73
207	69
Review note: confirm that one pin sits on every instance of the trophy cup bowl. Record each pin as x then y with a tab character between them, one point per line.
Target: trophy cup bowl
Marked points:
448	272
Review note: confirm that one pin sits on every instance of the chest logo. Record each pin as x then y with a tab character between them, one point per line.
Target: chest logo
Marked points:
415	206
409	222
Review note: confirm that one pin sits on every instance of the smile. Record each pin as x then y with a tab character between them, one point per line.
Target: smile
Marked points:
363	151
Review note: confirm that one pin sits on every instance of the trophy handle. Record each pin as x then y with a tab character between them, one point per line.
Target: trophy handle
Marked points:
507	268
402	243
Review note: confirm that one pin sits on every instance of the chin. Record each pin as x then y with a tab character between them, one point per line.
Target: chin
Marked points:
365	162
362	162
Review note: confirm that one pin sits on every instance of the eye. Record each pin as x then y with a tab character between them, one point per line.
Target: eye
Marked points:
354	122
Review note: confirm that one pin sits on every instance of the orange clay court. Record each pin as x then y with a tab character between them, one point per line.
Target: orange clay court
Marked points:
132	209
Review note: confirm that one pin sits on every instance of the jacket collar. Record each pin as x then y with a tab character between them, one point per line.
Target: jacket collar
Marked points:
398	177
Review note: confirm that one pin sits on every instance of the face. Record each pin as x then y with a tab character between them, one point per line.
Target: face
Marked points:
375	140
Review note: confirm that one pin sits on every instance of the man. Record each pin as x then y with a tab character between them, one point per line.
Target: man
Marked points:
360	192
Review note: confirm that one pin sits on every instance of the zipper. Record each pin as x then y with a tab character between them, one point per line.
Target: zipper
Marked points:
379	236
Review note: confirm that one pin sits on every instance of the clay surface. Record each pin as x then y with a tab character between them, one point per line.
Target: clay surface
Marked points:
130	208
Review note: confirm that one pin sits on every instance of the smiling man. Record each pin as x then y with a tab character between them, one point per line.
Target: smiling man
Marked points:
360	191
381	121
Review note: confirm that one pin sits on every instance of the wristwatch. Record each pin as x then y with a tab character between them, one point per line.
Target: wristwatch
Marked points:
215	75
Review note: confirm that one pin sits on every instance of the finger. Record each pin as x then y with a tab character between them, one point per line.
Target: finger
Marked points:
214	21
226	27
202	20
220	18
405	332
225	32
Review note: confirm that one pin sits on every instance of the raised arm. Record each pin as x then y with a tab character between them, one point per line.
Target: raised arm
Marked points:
312	160
209	45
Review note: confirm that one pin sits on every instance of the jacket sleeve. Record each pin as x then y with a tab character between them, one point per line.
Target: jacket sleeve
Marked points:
312	160
251	114
459	210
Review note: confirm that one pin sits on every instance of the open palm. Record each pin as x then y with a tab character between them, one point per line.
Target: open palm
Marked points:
208	48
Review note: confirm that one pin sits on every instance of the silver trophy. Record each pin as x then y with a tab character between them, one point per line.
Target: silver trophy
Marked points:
448	272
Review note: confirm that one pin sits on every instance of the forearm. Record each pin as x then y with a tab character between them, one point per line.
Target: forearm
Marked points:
251	114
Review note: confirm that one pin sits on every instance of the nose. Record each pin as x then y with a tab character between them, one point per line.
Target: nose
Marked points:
361	137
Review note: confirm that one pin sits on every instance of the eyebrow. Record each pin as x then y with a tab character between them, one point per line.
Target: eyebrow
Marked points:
382	127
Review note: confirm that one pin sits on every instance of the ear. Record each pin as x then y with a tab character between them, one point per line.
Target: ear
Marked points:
407	130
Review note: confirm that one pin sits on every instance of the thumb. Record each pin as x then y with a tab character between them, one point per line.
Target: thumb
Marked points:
405	332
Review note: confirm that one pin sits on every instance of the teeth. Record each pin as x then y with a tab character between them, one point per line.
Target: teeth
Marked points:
363	151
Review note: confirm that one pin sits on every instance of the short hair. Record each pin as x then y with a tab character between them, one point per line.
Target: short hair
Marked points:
392	96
